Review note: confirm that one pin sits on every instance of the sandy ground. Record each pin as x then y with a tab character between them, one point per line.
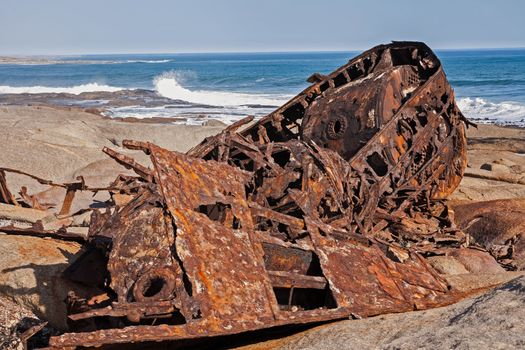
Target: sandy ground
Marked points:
60	144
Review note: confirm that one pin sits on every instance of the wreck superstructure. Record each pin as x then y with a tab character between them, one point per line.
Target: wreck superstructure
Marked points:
321	210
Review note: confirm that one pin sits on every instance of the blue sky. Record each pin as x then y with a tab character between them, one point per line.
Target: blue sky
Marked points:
162	26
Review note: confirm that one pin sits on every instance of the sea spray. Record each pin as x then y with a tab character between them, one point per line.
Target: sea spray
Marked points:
479	109
168	85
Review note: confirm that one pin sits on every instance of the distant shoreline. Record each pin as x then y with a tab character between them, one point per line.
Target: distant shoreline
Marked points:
46	60
26	60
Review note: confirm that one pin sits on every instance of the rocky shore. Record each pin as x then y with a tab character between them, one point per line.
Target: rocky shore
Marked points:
61	144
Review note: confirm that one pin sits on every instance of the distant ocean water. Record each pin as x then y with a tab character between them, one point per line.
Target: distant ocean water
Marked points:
489	84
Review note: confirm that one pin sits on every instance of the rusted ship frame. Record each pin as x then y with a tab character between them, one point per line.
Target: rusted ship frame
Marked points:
321	210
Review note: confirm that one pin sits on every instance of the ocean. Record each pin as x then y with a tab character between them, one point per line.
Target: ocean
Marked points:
489	84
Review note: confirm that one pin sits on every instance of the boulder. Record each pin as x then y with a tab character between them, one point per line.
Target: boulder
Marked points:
213	122
495	167
472	282
447	265
477	261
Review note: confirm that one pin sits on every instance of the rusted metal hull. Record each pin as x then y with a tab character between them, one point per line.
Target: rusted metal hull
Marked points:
241	278
321	210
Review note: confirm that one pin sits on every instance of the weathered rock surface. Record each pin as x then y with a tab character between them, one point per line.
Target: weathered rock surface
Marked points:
60	144
477	261
11	316
447	265
470	282
20	214
495	164
30	275
498	226
495	320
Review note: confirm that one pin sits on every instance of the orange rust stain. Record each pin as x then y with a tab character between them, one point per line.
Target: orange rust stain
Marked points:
387	283
401	144
32	248
205	280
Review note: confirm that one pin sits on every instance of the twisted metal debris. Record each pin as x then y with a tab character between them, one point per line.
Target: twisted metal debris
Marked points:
321	210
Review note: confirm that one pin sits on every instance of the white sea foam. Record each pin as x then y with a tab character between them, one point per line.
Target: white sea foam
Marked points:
481	110
146	61
168	85
188	114
91	87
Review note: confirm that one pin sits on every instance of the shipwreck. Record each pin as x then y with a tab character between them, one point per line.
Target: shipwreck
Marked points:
321	210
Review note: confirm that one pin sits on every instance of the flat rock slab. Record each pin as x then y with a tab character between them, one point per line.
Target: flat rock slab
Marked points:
60	144
15	213
495	157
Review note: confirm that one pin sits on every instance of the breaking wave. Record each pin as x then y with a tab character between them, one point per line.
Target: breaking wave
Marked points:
90	87
478	109
168	85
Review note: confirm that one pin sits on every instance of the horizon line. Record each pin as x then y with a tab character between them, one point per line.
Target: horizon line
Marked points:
245	52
